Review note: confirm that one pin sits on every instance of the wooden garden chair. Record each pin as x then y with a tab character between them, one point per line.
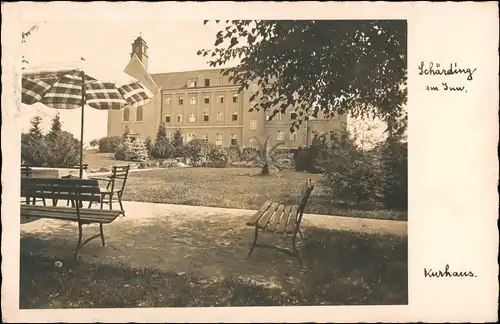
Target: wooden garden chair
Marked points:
277	218
115	184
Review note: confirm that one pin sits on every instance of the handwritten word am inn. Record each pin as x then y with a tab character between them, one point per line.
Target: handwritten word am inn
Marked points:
451	69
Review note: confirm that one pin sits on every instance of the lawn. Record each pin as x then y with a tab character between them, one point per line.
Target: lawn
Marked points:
241	188
341	268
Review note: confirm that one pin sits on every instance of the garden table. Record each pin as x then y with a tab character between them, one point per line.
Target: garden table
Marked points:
43	172
56	173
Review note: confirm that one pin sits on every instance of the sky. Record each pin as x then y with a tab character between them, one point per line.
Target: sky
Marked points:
107	44
172	46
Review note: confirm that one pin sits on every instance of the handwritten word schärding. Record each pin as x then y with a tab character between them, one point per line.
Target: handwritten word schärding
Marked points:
438	70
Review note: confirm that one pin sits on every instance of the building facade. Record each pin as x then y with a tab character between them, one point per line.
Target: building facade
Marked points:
203	104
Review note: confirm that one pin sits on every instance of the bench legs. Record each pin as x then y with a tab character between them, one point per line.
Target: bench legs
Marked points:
80	245
293	253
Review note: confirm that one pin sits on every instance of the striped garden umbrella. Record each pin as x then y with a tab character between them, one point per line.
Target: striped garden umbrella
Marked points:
74	88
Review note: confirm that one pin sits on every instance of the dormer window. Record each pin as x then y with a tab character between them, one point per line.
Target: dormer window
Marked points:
192	84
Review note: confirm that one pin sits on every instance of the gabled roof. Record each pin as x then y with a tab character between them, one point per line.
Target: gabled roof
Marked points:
135	60
178	80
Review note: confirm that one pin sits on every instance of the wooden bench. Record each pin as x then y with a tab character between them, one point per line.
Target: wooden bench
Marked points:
78	190
277	218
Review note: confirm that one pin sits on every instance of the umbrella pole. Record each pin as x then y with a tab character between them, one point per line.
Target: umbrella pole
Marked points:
81	129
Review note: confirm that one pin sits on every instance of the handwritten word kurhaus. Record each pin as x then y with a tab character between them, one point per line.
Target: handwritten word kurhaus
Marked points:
452	70
446	273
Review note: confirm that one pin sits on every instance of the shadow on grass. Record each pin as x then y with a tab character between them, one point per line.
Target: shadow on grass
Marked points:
341	268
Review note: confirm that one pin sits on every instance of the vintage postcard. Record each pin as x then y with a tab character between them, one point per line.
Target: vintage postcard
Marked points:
249	162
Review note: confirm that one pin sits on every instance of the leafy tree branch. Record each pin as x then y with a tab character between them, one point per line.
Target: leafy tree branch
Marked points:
354	67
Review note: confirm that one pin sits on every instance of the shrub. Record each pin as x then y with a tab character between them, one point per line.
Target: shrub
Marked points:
352	176
120	151
394	174
110	144
169	163
249	154
94	143
149	145
197	151
309	158
217	158
234	153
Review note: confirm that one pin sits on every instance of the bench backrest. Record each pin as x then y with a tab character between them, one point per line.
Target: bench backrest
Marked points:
85	166
306	191
119	175
64	189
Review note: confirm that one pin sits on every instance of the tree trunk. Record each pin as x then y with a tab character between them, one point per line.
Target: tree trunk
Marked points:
265	169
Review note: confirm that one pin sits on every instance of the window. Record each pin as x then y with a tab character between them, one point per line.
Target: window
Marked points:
218	139
206	100
280	136
279	116
167	101
179	118
180	101
253	87
192	100
207	82
204	138
253	124
268	115
293	115
235	117
293	136
220	99
192	84
138	114
234	140
205	116
236	98
252	143
220	116
126	115
167	119
191	118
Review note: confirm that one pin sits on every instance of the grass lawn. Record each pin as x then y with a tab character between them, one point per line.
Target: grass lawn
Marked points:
229	188
341	268
241	188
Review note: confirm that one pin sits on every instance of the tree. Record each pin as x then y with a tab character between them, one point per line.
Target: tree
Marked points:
94	143
334	66
265	153
35	131
162	148
56	128
177	138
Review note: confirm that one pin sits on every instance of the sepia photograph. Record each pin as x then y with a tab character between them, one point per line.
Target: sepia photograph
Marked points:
176	166
208	163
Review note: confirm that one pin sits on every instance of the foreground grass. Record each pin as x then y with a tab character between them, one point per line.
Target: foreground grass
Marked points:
341	268
241	188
